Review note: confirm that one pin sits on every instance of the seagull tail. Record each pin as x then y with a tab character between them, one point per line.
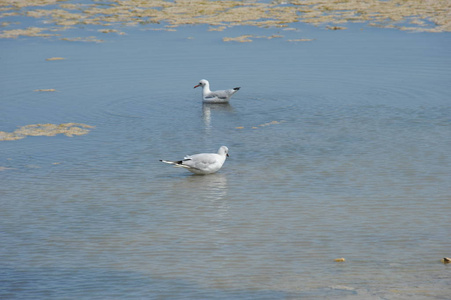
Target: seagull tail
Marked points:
172	162
177	164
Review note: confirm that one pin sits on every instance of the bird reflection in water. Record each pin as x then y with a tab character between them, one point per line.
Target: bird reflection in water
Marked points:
212	187
207	109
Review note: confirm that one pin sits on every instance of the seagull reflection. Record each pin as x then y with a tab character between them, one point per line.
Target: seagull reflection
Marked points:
201	201
207	108
209	194
212	187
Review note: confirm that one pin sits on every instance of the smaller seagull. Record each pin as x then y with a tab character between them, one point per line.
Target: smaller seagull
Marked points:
222	96
203	163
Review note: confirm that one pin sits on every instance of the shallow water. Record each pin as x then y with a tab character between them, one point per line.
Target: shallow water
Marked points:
339	148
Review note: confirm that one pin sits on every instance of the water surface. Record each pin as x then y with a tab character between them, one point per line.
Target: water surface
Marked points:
339	148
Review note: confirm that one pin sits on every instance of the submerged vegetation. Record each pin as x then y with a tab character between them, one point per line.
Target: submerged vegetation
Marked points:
53	17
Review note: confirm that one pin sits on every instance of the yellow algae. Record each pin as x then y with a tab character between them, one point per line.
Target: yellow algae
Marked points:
300	40
68	129
21	3
45	90
418	15
270	123
111	31
55	58
239	127
220	28
30	31
335	27
83	39
9	136
70	6
241	39
341	259
248	38
274	36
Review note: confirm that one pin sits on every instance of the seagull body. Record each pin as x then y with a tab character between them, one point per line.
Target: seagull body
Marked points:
221	96
203	163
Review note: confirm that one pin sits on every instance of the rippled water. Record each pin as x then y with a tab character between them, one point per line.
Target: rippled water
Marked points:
339	148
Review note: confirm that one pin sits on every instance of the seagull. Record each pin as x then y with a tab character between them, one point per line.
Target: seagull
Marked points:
203	163
222	96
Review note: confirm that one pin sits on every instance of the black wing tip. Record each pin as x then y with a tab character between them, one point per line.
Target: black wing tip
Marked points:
173	162
237	88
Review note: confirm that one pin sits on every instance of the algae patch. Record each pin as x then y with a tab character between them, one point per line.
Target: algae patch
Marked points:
300	40
68	129
55	58
59	16
30	31
45	90
249	38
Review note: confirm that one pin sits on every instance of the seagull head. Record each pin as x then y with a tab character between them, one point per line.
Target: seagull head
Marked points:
202	83
223	151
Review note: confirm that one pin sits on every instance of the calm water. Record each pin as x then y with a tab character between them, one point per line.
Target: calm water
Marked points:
355	166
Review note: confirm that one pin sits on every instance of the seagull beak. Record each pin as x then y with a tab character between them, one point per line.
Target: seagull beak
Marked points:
197	86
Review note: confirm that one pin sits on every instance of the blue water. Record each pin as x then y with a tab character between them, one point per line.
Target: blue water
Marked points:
356	165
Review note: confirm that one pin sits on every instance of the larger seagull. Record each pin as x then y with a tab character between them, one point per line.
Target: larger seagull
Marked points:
221	96
203	163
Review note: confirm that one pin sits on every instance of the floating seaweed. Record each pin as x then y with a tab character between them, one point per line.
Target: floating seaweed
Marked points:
68	129
412	15
55	58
